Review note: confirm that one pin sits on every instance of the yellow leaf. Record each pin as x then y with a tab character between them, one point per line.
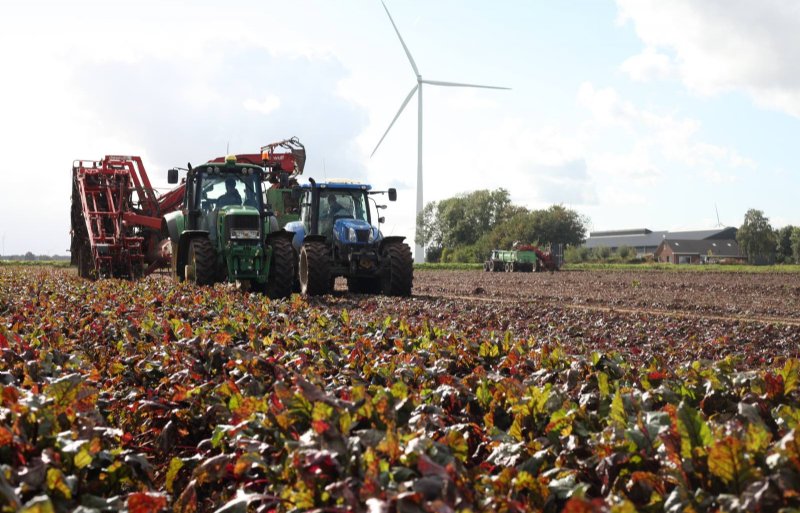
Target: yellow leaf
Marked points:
757	438
83	458
791	375
727	461
56	482
175	465
618	415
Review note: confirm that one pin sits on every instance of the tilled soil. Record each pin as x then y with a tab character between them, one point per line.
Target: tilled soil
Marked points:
770	296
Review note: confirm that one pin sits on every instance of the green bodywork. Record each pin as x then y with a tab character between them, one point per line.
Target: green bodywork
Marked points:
527	257
244	261
285	207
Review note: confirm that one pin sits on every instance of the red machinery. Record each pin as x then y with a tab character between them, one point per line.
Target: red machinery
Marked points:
547	259
116	218
285	160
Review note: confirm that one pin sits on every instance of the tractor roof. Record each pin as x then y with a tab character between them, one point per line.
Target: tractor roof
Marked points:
340	184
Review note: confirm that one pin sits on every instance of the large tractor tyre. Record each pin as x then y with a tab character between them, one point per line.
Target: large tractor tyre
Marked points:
364	285
201	262
281	270
398	269
487	266
84	261
313	269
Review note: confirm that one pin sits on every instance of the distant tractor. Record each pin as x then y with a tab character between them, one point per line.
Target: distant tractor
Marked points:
338	235
523	258
225	233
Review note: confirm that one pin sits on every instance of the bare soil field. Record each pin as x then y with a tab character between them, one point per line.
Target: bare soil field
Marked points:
731	295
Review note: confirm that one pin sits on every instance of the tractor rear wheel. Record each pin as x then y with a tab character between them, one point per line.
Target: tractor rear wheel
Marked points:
281	269
313	269
201	262
397	269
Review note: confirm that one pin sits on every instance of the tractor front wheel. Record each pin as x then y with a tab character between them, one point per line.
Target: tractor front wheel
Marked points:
281	269
397	268
201	262
313	269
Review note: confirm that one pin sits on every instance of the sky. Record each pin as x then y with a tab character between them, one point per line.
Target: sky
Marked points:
635	113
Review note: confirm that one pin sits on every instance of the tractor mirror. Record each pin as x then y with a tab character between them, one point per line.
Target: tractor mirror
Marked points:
172	176
297	192
381	220
392	194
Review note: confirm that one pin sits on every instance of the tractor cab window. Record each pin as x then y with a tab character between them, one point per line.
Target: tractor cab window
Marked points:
343	204
222	190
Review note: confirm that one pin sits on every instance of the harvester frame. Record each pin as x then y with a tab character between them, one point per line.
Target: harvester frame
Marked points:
116	218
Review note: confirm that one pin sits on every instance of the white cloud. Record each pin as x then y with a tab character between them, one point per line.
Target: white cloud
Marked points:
720	45
656	141
649	65
265	106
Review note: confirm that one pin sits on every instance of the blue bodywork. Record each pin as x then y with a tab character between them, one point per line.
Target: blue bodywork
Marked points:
364	233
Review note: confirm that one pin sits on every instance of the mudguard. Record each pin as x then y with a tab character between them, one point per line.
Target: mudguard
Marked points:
298	231
172	225
389	240
183	246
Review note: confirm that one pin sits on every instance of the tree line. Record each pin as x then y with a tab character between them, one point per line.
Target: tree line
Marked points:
467	227
764	244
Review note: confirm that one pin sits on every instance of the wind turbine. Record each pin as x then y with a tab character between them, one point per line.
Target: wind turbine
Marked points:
418	250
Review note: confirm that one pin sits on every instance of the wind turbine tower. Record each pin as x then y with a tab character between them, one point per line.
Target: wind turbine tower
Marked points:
419	255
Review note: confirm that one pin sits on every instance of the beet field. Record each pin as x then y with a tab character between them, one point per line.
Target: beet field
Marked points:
582	391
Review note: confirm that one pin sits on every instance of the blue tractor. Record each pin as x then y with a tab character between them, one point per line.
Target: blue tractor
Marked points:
338	235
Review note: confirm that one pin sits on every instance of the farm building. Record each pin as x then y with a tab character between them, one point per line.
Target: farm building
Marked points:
706	251
646	242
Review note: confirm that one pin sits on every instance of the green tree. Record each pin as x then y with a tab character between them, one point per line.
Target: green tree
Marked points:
464	219
560	225
555	225
602	252
626	252
783	252
756	237
795	243
467	227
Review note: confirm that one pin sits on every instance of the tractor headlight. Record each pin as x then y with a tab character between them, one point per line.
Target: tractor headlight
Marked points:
351	235
244	234
371	235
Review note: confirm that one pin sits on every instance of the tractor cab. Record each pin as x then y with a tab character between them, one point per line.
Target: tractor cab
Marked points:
337	211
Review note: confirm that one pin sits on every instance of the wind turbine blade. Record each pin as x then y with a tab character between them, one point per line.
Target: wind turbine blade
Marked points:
408	54
459	84
403	106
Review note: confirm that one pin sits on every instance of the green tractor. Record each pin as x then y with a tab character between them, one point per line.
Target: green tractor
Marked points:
225	231
338	235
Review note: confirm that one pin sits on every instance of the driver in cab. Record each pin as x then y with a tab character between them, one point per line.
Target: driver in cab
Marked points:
231	196
336	209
